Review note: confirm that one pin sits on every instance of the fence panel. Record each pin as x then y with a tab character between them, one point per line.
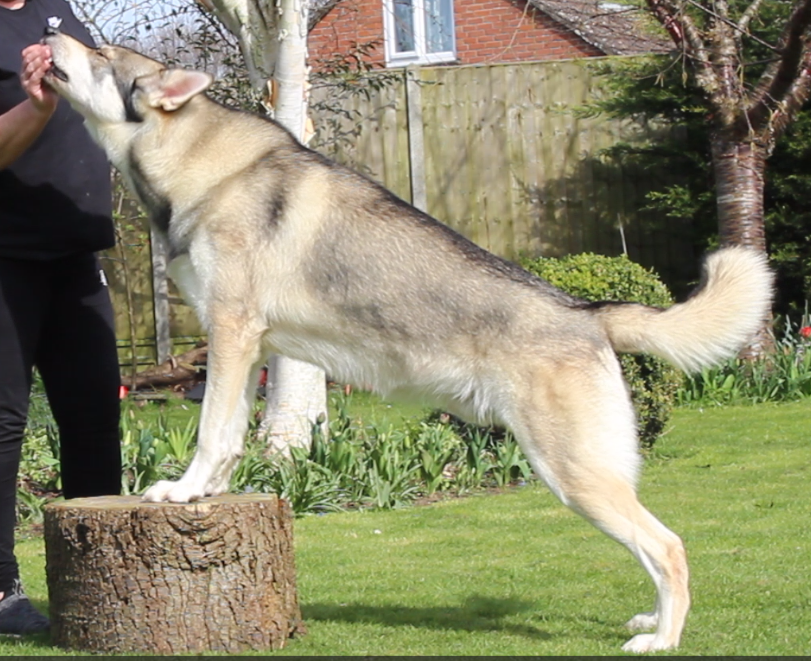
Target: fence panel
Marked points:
509	164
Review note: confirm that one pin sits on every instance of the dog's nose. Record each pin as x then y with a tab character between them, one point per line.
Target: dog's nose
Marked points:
50	30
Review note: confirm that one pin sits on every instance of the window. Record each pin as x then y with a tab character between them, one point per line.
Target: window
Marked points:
419	31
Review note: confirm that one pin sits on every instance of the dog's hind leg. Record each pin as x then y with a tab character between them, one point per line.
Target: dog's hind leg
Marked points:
234	358
578	432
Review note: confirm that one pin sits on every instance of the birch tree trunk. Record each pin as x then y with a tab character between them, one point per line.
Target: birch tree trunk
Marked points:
273	40
296	392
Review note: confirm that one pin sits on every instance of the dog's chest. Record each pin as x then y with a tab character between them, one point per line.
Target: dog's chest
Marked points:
188	281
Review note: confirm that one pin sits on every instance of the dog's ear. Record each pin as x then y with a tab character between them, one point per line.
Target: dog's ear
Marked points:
170	89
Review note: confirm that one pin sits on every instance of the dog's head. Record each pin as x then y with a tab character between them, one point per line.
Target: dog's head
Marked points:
113	84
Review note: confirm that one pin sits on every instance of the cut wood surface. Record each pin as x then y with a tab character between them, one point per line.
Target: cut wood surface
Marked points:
165	578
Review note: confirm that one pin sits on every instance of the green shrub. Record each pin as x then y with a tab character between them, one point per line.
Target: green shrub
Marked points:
653	382
487	456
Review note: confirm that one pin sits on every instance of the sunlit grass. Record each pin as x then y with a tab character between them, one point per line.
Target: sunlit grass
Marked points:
517	574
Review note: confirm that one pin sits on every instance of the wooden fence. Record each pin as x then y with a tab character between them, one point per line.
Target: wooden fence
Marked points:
497	152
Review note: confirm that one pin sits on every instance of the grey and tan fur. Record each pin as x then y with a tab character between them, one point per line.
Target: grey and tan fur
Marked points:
280	250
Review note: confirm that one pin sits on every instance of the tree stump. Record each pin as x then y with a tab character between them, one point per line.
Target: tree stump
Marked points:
129	576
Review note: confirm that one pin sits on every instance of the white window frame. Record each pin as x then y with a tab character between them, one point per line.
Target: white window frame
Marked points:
419	54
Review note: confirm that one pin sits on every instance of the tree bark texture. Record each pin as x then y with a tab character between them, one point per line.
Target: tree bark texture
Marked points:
290	75
739	166
162	578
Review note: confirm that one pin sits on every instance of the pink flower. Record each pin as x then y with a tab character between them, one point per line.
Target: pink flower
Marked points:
805	331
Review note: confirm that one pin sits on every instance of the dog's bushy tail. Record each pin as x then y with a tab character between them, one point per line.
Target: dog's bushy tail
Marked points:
723	313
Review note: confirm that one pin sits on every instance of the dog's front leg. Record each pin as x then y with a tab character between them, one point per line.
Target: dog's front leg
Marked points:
233	361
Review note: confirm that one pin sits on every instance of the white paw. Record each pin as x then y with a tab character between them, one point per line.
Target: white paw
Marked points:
173	492
646	642
643	622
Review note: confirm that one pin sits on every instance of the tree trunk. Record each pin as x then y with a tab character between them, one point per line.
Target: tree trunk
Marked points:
163	578
290	75
273	40
739	165
296	401
296	391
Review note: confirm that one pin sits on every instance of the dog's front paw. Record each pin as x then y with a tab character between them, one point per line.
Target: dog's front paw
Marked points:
646	642
643	622
172	492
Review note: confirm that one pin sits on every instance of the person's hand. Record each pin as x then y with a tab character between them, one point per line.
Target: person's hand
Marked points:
36	63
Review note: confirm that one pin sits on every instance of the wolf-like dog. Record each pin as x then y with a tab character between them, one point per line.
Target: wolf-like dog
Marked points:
281	250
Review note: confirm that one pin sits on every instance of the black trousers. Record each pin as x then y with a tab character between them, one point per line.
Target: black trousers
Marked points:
56	315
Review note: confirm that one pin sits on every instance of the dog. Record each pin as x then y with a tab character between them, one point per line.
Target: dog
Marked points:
278	249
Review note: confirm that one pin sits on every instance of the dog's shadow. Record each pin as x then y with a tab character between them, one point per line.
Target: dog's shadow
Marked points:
477	613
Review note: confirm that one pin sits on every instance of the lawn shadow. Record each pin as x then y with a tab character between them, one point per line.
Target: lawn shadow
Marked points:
477	613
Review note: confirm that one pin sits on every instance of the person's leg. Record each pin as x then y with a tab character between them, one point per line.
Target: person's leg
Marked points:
79	365
23	298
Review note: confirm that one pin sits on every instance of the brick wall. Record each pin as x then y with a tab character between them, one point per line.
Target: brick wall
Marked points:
350	22
486	31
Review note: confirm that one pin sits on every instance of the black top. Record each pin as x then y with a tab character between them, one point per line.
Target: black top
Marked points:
55	199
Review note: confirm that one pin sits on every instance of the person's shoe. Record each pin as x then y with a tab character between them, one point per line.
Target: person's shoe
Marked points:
18	616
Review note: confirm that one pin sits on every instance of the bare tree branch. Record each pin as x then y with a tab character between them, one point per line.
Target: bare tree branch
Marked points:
255	24
723	17
743	23
726	62
781	87
797	94
749	13
720	11
685	33
128	21
665	13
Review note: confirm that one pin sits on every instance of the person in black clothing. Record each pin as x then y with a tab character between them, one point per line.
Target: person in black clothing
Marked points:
55	312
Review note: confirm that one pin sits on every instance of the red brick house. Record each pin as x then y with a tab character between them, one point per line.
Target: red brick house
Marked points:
478	31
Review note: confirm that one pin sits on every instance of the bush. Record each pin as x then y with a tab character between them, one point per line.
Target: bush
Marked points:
653	382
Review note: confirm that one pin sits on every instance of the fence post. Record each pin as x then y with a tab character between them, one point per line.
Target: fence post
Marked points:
160	296
416	139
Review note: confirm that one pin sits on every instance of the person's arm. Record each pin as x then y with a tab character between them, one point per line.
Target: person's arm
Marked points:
21	125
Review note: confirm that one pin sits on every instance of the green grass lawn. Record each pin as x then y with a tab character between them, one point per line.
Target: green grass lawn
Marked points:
517	574
176	412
